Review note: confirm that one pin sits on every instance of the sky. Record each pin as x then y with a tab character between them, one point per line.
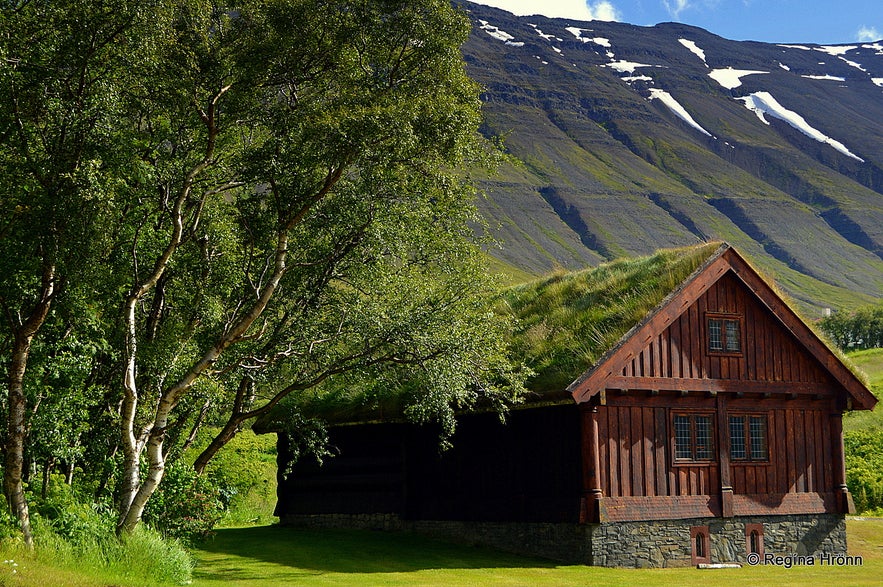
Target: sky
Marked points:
771	21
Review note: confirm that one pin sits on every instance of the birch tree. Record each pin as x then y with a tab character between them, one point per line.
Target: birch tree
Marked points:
297	213
60	65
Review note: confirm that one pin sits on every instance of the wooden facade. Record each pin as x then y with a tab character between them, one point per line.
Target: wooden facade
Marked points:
721	403
778	373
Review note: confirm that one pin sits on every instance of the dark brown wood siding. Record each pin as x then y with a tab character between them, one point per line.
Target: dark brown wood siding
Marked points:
769	351
636	457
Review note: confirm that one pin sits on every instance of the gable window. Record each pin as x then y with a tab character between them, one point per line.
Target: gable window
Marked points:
724	333
693	437
748	437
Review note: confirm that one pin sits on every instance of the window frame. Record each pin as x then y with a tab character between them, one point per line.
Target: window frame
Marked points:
749	458
724	319
712	438
700	535
757	531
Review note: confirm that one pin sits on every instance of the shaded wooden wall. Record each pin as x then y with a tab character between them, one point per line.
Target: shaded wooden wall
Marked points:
525	470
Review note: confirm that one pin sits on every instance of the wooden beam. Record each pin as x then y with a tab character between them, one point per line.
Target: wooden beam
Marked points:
723	455
718	385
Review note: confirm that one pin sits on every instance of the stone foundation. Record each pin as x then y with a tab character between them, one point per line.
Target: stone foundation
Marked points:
665	543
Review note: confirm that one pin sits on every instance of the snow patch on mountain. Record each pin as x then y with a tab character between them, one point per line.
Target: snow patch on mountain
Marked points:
825	77
677	109
499	34
837	50
763	104
731	78
694	49
626	66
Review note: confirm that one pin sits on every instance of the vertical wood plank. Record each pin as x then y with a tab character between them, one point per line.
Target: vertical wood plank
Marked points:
760	346
750	479
790	452
771	486
613	443
663	479
810	431
783	480
625	452
698	367
675	348
800	446
827	455
636	450
649	451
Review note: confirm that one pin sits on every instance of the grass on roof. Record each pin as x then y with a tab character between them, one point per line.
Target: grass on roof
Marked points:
569	320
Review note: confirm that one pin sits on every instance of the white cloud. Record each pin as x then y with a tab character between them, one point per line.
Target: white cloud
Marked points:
603	11
867	33
675	7
575	9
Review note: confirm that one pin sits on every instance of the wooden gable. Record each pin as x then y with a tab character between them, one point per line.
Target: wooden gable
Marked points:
779	353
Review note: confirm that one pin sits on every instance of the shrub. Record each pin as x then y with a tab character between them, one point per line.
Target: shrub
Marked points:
186	506
864	468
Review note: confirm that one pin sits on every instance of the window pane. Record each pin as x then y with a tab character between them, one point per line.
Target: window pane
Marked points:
757	430
733	342
704	441
715	340
737	437
683	449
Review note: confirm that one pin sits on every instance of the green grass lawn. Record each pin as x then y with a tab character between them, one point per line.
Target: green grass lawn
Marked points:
871	362
270	556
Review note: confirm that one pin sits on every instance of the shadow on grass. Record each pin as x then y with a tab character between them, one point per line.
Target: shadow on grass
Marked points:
314	551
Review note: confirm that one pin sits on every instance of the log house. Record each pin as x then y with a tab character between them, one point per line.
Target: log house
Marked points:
711	430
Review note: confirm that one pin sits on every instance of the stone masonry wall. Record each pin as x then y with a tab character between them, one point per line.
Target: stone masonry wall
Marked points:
667	543
663	543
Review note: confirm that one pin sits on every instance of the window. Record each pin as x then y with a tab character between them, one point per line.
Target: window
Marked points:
724	333
748	438
694	437
754	539
699	543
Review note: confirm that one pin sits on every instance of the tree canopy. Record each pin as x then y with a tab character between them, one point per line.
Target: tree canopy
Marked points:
239	201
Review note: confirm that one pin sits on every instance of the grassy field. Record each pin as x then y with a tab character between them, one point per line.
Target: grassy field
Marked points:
273	556
270	556
871	362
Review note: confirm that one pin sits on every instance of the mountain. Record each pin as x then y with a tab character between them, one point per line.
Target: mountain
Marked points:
625	139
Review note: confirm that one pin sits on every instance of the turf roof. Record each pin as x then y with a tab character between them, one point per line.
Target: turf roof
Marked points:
570	320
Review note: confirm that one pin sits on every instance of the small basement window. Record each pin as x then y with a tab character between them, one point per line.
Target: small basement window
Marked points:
693	437
724	334
748	438
699	545
754	539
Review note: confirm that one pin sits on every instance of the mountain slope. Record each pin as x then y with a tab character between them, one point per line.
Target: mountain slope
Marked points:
625	139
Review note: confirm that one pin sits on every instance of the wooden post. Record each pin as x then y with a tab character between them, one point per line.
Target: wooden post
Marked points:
591	466
723	452
844	500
